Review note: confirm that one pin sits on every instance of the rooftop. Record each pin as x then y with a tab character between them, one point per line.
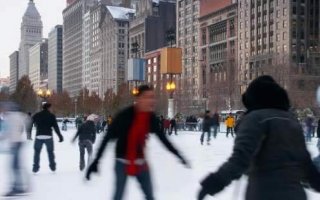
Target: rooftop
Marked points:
120	12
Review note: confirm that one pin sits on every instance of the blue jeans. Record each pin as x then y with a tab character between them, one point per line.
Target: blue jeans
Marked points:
37	150
202	136
143	178
215	130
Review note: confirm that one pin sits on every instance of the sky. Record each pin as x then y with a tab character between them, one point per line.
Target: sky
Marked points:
11	12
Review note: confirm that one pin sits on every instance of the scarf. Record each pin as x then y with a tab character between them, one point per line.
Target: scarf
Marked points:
136	141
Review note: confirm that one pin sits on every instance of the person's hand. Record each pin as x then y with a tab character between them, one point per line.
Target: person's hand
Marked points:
93	168
185	163
211	185
60	138
202	194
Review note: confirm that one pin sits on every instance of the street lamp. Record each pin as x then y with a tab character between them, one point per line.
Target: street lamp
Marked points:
44	94
171	87
135	91
75	107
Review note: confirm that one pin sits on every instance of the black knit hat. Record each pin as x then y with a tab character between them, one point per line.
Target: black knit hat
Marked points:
264	92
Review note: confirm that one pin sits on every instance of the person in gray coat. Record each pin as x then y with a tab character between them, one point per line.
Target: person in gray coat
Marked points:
269	148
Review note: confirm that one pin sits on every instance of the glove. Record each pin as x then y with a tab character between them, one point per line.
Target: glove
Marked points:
60	138
211	185
185	163
202	194
93	168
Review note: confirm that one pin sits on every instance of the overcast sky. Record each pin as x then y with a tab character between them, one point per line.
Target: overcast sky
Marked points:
11	12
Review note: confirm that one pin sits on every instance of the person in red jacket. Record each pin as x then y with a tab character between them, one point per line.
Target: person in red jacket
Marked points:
130	129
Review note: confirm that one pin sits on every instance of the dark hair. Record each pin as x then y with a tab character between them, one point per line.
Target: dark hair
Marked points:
46	106
144	88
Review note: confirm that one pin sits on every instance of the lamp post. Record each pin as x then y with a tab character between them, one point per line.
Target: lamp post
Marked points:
171	87
43	94
75	107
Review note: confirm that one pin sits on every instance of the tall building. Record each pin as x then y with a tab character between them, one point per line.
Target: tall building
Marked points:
73	45
218	53
148	28
38	62
280	38
31	34
114	35
188	12
14	67
86	40
55	53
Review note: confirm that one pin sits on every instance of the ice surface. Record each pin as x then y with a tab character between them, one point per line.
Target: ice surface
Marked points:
120	12
171	180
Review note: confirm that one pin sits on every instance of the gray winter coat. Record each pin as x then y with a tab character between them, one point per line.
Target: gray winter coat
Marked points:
271	149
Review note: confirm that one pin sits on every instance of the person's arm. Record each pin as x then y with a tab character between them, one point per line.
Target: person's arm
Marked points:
76	135
56	128
111	134
247	143
158	131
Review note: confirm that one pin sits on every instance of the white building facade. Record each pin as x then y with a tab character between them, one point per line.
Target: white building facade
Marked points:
31	34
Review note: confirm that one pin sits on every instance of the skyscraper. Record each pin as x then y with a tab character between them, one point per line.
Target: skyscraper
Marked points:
38	62
280	38
187	38
115	32
73	45
14	67
55	59
31	34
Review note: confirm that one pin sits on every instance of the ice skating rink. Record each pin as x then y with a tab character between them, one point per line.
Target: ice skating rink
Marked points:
171	180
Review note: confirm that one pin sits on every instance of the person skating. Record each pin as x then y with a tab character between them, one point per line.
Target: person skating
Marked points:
269	147
206	125
215	124
130	129
87	137
15	124
173	126
64	124
318	129
230	122
44	122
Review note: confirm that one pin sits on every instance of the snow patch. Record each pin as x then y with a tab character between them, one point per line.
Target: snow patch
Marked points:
120	12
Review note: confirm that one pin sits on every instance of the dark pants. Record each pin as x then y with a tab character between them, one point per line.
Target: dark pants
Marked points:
85	145
174	128
215	130
202	136
230	130
143	178
17	169
37	150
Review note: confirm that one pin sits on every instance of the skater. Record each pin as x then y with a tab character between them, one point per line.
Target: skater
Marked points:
64	124
269	147
215	124
166	126
308	127
44	122
206	127
230	122
173	126
130	128
87	137
15	125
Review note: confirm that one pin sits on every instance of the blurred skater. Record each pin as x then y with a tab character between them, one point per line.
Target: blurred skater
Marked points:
14	128
87	137
206	125
130	129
